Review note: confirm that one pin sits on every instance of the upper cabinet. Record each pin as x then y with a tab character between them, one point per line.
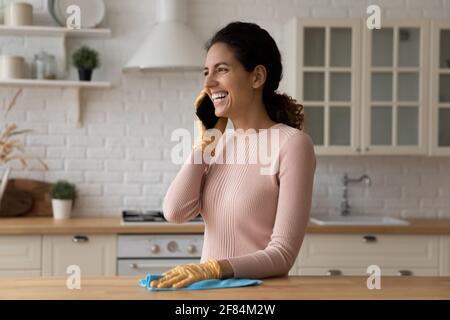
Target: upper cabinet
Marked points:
395	96
322	67
369	91
440	89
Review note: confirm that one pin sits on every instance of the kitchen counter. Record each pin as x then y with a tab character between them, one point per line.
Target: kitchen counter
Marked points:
286	288
101	225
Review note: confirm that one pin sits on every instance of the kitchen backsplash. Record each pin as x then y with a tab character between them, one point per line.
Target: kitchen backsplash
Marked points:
120	158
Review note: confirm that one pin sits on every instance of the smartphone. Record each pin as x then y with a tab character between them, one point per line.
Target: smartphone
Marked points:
205	112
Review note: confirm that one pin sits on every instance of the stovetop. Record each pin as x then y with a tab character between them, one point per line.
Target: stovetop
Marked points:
149	216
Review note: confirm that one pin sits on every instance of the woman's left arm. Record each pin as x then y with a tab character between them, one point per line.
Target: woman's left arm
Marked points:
297	164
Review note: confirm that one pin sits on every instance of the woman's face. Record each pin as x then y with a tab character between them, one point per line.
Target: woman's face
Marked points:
227	83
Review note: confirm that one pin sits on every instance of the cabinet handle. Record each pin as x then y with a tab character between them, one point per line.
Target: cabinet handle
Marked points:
334	272
358	149
80	239
369	239
367	149
404	273
140	266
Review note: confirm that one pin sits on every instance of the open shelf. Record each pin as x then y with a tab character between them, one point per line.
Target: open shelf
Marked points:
47	31
61	33
74	85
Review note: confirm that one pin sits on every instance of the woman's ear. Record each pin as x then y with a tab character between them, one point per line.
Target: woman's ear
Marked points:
259	76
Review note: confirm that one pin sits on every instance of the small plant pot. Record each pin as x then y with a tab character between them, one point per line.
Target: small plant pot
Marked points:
61	209
85	74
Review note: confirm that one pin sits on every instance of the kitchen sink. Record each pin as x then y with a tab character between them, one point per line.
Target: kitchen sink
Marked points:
357	220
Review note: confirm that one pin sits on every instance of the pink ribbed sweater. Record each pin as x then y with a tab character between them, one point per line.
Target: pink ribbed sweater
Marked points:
255	221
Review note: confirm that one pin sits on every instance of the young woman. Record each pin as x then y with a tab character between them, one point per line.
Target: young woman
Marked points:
254	223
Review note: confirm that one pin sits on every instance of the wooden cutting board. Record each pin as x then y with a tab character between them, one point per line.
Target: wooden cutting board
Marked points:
25	197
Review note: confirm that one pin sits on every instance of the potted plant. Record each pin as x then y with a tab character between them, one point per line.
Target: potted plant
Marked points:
85	60
63	196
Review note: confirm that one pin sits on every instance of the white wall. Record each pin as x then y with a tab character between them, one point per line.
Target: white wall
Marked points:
120	158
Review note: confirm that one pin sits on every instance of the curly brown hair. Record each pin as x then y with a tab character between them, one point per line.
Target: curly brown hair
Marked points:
252	46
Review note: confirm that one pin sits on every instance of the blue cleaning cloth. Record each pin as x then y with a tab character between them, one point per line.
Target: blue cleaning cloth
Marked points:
200	285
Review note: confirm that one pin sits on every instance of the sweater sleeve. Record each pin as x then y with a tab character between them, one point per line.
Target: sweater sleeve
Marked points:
182	201
297	164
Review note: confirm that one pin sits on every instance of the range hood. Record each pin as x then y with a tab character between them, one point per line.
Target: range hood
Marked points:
171	45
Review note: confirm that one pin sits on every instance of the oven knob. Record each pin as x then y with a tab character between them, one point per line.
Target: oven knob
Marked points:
172	246
191	249
154	248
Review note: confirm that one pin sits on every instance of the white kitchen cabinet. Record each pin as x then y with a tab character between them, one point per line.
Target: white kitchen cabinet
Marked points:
94	254
440	88
445	256
322	71
395	77
351	254
376	105
20	255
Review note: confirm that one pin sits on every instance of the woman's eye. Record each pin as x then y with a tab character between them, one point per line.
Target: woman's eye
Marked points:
221	69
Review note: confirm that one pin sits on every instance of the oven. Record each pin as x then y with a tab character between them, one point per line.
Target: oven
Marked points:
156	253
139	254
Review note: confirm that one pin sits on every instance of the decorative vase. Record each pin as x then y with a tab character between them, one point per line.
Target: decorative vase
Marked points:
85	74
61	208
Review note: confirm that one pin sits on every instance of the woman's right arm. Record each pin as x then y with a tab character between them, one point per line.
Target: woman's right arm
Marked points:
182	201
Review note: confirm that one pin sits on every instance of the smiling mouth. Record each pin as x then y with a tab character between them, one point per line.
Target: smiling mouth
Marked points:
219	97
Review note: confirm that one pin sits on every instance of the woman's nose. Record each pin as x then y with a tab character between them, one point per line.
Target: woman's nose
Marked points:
210	81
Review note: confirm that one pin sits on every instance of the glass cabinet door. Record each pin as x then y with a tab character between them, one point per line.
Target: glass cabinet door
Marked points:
444	88
395	109
441	92
328	88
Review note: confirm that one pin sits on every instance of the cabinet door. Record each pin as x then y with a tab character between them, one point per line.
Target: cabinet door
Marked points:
395	95
322	73
359	251
20	254
440	89
445	256
94	254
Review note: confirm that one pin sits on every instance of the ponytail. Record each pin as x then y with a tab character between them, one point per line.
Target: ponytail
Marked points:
282	108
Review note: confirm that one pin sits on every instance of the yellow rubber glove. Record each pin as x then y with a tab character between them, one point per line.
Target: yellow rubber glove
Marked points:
183	275
201	141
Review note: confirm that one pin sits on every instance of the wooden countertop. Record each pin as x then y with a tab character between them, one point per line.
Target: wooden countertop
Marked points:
99	225
287	288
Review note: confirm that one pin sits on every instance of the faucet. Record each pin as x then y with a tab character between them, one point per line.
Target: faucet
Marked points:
345	208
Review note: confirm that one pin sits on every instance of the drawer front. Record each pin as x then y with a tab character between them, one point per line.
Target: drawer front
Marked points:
94	254
20	252
364	250
385	272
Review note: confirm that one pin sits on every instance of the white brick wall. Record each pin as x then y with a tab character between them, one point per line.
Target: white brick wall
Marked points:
120	158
